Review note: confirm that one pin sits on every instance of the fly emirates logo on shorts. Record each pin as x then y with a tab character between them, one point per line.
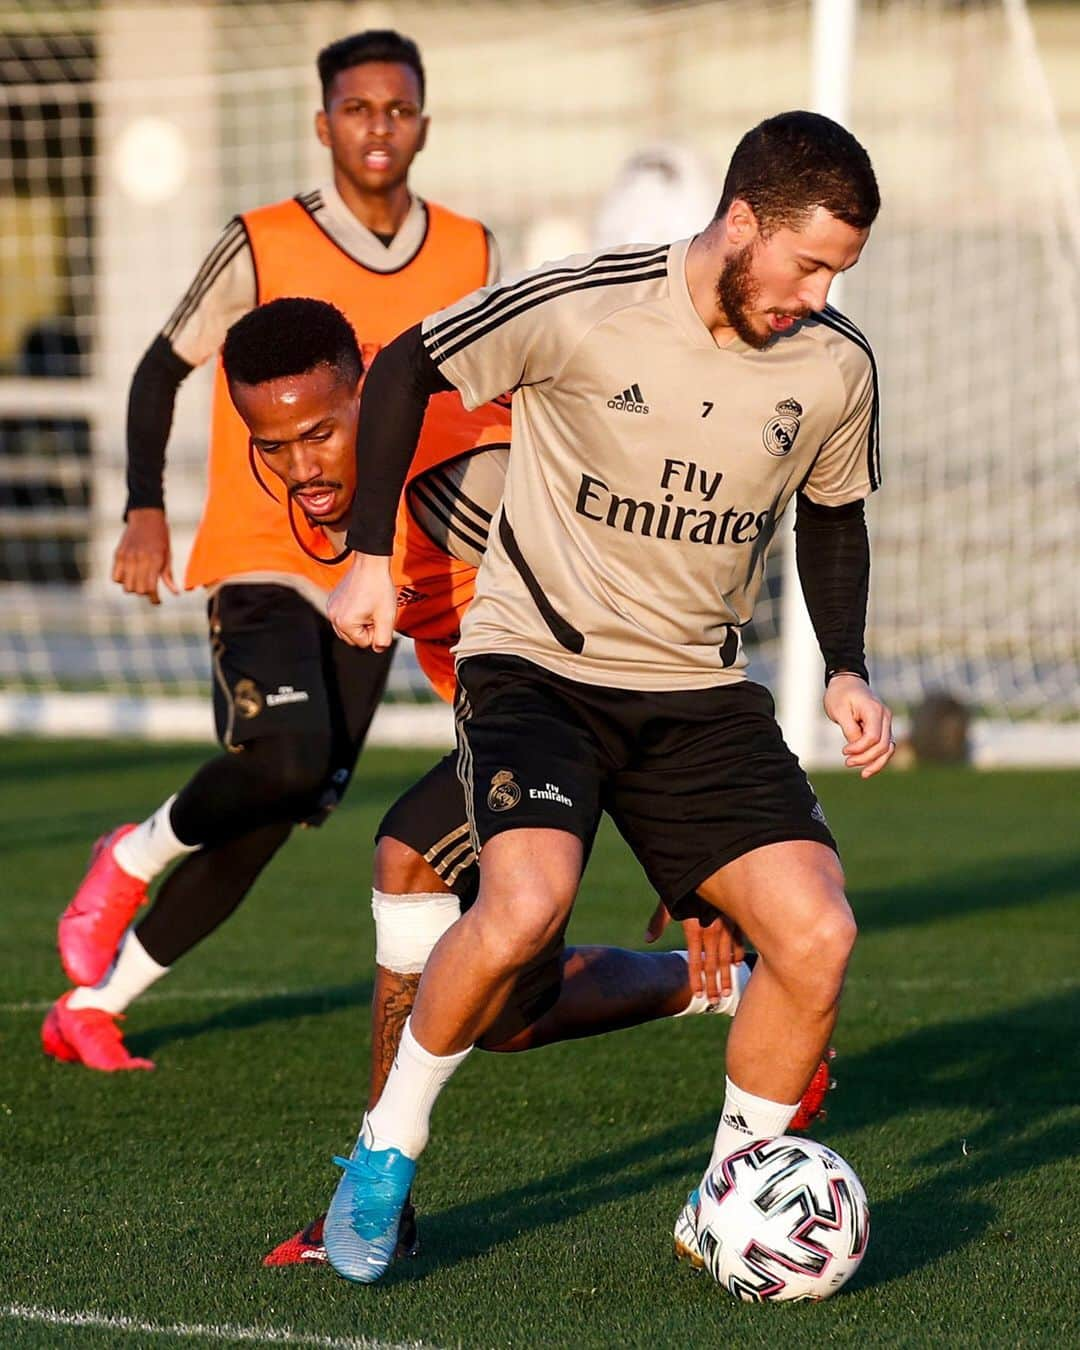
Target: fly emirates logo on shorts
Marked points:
505	793
685	507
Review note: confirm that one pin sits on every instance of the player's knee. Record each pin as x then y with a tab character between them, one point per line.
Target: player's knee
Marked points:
816	960
407	927
517	929
400	870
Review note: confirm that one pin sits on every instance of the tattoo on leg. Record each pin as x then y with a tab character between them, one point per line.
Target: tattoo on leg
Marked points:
399	997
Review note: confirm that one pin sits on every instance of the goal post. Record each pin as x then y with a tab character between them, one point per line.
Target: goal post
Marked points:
832	54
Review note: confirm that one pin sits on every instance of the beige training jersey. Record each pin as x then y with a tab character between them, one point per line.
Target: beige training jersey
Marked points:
649	467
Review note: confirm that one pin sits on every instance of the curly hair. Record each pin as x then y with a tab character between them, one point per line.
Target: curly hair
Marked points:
290	337
790	164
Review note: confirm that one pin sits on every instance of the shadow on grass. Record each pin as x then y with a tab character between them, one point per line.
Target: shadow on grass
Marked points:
42	761
258	1012
1019	1069
666	1158
1014	1067
1013	883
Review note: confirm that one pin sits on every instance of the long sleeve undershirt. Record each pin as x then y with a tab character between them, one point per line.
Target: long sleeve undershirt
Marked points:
149	421
401	380
832	550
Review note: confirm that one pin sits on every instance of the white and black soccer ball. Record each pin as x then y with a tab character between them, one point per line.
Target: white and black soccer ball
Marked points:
782	1219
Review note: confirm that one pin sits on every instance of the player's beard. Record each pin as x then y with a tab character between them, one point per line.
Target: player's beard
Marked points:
736	291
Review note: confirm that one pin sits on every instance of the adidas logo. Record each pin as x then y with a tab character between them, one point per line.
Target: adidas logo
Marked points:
630	400
737	1121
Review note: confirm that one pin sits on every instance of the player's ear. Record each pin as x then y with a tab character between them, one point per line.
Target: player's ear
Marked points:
740	223
322	127
425	122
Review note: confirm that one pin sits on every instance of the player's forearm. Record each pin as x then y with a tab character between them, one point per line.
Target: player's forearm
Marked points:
399	384
149	422
833	554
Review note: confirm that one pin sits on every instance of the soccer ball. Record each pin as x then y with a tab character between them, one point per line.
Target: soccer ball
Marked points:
782	1219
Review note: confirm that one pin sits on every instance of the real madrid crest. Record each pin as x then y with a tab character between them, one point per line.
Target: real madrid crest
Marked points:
504	793
779	432
247	698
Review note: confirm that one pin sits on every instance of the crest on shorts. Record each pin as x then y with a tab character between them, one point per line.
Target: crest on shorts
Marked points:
247	698
779	432
504	793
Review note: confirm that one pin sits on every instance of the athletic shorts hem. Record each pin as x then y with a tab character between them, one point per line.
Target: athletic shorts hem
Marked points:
494	827
691	880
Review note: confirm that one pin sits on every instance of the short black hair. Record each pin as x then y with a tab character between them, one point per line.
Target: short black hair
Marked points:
790	164
290	337
374	44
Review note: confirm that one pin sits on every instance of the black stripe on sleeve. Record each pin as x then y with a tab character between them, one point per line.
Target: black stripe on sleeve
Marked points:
447	488
454	522
220	256
194	297
500	298
474	336
840	323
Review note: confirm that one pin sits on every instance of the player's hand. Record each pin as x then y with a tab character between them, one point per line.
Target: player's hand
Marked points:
143	557
865	721
363	607
713	945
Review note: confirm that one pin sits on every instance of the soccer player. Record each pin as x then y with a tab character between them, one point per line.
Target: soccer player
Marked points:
669	402
291	706
292	369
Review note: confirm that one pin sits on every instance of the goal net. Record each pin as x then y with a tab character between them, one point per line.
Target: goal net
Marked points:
131	132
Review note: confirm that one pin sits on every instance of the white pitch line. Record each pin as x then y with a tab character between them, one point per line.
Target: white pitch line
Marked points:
55	1317
175	996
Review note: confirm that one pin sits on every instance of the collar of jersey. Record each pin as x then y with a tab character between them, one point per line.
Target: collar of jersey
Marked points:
358	241
689	319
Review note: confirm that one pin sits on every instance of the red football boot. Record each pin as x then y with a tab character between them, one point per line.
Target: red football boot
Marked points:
105	903
87	1036
307	1245
811	1108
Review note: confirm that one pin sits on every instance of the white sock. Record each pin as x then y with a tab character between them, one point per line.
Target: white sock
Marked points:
699	1003
746	1117
401	1116
150	847
130	974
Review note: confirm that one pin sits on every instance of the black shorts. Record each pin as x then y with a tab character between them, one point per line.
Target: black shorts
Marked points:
431	819
280	669
693	779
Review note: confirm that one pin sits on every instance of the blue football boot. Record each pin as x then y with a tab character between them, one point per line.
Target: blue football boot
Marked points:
687	1247
361	1229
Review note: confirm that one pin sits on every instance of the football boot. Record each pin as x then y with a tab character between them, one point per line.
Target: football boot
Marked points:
87	1036
91	927
811	1107
308	1245
686	1243
361	1226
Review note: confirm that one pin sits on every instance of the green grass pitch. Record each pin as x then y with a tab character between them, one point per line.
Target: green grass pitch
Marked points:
552	1180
